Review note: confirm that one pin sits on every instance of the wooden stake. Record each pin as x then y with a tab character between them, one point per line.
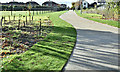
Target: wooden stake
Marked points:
26	19
113	16
9	18
14	17
1	21
33	12
4	19
19	24
32	18
40	28
24	23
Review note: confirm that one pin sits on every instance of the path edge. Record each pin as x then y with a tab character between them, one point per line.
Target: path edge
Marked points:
63	68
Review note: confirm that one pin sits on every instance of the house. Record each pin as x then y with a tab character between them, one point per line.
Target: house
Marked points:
101	1
97	2
5	4
63	6
32	3
55	6
85	4
18	6
50	4
15	3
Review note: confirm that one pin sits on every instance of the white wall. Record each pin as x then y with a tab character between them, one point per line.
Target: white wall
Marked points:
85	4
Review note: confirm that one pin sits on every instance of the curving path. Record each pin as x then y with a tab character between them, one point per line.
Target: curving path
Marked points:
96	47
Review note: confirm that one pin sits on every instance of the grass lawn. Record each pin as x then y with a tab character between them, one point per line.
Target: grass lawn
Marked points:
97	18
49	54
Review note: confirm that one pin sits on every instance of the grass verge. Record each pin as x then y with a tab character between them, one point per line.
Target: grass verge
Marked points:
50	54
97	18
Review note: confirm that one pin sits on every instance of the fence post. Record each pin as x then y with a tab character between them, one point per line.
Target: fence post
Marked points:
9	18
1	26
42	10
51	9
1	21
40	28
33	12
103	16
113	16
14	17
19	16
32	18
24	23
39	12
26	19
19	24
4	19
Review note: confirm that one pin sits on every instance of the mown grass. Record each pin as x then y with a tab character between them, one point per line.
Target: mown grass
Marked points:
97	18
16	13
50	54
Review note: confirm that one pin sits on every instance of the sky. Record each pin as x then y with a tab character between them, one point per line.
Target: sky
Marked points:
68	2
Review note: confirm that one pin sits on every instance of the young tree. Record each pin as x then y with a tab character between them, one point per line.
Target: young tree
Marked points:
77	5
73	5
29	7
112	8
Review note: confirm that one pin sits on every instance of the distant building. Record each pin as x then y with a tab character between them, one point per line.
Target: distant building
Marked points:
18	6
50	3
101	1
85	4
14	3
98	2
55	6
63	6
32	3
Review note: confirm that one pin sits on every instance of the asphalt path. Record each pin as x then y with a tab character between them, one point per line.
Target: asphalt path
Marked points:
96	47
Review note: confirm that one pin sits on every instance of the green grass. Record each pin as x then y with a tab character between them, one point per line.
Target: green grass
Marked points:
50	54
97	18
36	16
16	13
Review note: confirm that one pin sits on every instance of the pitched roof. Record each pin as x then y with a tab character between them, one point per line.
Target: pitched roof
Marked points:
32	2
50	2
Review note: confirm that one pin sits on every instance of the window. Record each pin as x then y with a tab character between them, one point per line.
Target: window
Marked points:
46	4
84	3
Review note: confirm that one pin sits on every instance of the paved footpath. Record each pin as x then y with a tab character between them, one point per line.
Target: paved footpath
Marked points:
96	47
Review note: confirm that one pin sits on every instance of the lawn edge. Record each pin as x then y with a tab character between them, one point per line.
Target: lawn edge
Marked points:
71	49
63	69
98	22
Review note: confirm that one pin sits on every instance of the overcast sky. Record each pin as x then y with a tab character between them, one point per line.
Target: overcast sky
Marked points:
68	2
